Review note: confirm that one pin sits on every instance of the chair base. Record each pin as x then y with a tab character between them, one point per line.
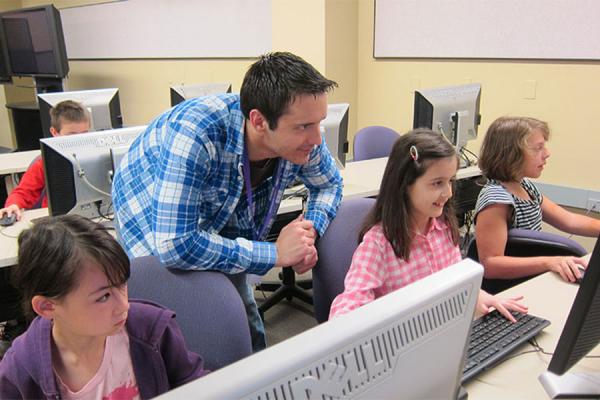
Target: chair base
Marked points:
287	289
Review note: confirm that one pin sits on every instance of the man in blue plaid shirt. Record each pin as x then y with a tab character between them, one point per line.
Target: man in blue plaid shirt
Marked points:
200	188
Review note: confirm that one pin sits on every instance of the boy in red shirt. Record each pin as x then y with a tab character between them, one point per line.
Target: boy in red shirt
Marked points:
66	118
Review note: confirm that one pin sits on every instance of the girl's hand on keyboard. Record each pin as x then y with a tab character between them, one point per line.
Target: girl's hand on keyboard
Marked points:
486	302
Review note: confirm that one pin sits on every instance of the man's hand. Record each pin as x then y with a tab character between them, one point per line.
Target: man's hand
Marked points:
296	245
309	261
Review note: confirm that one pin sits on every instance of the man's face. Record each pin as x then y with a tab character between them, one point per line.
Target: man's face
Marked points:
298	129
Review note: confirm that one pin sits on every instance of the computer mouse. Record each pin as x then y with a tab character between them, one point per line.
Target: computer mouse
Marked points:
582	270
8	220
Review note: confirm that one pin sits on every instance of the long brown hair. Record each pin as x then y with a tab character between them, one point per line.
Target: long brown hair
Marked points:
392	208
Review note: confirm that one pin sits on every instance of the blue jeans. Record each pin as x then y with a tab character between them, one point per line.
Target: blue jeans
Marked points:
257	327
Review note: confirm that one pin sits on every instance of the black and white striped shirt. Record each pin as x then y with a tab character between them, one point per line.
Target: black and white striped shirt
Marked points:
526	214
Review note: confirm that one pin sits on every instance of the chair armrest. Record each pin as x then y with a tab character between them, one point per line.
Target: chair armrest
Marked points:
524	242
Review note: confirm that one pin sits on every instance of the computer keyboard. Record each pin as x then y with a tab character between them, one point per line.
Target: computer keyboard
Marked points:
493	338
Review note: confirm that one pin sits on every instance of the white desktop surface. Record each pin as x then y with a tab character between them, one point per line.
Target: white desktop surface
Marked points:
11	163
14	163
9	235
548	297
361	179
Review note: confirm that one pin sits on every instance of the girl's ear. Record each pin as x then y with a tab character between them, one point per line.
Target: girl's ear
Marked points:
43	306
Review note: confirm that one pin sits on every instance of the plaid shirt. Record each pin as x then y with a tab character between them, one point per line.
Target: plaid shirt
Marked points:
178	191
376	271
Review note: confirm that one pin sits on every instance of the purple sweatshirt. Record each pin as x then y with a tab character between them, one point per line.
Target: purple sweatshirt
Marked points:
159	356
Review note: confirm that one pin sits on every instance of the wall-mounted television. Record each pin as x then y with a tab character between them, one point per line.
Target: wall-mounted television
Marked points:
4	67
35	45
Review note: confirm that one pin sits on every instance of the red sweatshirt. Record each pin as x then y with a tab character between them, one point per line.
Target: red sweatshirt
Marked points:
27	194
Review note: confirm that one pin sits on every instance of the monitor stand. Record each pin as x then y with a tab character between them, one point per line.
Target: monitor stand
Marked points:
571	385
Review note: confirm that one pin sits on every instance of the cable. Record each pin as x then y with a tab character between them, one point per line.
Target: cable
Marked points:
470	152
464	156
300	192
5	235
98	203
81	174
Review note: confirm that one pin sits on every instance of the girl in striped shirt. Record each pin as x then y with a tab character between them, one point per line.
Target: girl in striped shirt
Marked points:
514	150
412	230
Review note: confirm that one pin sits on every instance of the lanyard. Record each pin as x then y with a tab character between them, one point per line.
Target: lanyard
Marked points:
259	233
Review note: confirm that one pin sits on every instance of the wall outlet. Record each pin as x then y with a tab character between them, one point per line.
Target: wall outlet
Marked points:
593	204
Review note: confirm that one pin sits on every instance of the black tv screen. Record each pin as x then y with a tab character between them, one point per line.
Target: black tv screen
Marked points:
4	68
35	44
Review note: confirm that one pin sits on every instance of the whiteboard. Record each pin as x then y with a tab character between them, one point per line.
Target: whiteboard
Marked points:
168	29
512	29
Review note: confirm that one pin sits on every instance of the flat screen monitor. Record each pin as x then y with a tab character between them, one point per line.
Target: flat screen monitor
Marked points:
335	131
79	170
35	45
4	67
451	110
409	344
103	105
579	336
180	93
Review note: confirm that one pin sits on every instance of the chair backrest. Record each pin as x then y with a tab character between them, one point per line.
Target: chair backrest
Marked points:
335	249
374	142
528	243
209	309
39	201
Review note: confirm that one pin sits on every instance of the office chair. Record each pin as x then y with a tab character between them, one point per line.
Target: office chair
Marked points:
374	142
288	287
527	243
209	309
335	250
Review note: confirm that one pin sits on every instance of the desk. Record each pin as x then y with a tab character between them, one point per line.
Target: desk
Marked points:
14	163
361	179
9	235
548	297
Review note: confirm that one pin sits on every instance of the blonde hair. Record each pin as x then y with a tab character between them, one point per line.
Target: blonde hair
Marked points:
503	149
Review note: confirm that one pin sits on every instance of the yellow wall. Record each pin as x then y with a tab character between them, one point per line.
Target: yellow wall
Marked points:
336	36
144	84
341	41
566	97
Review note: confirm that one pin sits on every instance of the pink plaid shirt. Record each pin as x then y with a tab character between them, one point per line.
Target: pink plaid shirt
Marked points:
376	271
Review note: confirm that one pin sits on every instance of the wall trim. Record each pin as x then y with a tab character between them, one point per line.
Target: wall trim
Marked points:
585	199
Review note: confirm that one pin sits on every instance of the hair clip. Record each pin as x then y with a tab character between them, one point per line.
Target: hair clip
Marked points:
414	154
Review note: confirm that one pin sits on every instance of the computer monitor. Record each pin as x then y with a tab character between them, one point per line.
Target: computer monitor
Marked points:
103	105
409	344
451	110
579	336
335	131
79	170
180	93
5	76
35	42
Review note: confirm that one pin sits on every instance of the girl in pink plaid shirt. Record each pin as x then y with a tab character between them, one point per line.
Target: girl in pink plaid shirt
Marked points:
412	231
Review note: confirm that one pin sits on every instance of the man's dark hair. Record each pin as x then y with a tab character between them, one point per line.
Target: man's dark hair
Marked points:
53	252
273	82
